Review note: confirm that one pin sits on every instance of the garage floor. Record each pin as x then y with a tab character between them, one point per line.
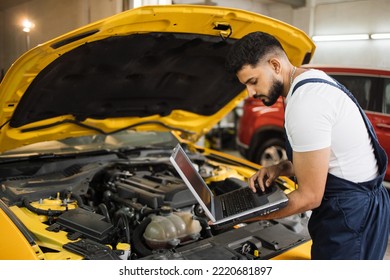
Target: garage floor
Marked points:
235	153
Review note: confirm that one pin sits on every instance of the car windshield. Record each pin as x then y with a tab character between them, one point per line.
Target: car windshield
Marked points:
126	139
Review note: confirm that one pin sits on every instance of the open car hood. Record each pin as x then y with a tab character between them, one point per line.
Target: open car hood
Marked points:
154	67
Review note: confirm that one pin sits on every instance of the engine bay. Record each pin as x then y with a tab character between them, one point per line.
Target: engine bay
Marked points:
136	207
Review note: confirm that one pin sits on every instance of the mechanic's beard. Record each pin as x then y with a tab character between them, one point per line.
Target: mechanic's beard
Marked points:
274	93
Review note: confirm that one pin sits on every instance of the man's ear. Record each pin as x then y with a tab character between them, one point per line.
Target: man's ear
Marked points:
275	65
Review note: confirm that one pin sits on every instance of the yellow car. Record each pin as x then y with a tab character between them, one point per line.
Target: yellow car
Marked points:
88	123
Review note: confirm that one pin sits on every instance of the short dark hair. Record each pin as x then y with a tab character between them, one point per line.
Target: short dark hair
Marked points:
250	49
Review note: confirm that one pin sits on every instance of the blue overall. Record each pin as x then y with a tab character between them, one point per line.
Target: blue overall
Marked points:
353	220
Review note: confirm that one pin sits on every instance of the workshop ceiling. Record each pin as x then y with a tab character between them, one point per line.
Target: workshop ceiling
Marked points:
5	4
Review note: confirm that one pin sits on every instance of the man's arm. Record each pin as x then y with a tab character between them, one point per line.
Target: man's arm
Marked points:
311	170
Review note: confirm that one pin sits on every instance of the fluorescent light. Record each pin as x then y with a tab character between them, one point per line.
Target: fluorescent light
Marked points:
378	36
345	37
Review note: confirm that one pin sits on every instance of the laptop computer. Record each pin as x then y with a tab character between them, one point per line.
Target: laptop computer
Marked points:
229	208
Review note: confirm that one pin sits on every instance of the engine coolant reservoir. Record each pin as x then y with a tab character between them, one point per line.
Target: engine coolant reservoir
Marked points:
168	231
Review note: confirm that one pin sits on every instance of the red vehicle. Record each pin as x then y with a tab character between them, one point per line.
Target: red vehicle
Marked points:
260	131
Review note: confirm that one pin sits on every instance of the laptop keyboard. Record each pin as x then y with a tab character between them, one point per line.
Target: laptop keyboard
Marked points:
238	201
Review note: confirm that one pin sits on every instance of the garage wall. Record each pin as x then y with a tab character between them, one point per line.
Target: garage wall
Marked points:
51	18
370	16
331	17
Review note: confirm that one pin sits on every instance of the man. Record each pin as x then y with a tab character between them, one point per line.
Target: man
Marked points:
333	152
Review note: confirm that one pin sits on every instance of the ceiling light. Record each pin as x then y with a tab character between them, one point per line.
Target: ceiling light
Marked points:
345	37
378	36
27	25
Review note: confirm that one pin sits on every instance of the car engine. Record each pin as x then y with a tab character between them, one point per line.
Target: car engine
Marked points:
137	207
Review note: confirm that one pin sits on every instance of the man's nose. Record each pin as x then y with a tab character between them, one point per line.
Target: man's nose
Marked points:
251	91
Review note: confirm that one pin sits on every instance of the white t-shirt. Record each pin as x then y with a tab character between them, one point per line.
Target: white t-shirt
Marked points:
318	116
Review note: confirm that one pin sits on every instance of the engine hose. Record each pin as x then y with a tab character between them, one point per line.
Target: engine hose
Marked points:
205	226
103	209
26	203
146	212
137	241
78	198
122	222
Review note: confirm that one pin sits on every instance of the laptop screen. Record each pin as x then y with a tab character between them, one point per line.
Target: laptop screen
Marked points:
193	177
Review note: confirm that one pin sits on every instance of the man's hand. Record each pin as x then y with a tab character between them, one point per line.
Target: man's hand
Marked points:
264	177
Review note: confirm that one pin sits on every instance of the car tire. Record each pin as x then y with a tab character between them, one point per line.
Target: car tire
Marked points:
271	152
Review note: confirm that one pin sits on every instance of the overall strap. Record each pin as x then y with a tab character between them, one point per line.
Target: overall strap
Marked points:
311	80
